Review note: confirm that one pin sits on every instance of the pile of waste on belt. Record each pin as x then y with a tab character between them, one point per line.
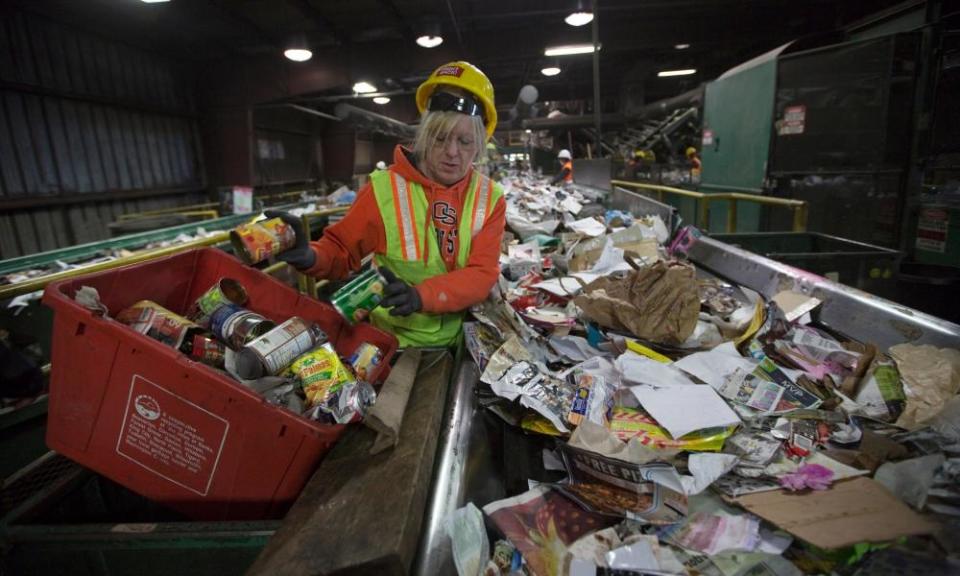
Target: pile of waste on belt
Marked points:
690	425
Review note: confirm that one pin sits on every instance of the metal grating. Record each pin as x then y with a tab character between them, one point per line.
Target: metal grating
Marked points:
35	477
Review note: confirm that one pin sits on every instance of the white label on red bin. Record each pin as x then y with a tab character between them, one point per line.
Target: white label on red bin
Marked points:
171	436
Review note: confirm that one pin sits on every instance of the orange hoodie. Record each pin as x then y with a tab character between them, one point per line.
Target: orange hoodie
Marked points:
347	242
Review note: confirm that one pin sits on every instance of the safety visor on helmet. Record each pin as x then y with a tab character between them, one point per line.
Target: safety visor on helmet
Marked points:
446	102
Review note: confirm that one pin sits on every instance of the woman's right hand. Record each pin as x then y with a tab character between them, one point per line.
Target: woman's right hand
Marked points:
301	256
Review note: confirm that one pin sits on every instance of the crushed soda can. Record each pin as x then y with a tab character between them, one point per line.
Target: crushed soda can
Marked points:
258	241
365	360
225	291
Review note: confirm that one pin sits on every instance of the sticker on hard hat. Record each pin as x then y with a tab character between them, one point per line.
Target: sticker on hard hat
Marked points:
450	71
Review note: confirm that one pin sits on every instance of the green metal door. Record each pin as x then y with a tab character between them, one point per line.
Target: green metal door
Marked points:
738	113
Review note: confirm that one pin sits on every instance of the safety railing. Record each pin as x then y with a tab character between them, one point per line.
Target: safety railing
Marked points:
703	201
307	285
191	210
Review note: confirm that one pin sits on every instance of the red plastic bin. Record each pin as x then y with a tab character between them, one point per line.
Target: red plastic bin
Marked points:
175	430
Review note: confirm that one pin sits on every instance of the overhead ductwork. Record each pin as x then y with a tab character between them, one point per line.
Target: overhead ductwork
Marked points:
565	122
373	122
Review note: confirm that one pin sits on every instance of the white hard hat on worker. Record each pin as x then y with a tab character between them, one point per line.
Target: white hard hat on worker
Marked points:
565	154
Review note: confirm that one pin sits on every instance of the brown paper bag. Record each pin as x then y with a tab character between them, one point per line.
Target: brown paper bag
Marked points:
659	303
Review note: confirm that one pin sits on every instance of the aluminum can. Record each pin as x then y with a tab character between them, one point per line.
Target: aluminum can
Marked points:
360	296
237	326
278	348
258	241
225	291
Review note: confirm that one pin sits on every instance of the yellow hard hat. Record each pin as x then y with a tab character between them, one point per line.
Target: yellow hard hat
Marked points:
638	153
467	77
691	151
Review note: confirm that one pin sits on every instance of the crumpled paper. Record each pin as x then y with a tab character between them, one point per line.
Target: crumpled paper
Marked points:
659	303
931	377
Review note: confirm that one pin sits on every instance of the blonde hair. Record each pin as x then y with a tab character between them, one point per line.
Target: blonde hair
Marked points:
437	124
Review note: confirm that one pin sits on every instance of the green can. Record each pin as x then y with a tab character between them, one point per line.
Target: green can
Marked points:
225	291
359	296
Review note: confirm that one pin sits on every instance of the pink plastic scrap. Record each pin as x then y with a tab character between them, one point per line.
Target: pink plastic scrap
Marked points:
812	476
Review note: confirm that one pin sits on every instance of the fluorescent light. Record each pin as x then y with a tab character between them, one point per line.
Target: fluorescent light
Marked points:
381	100
550	71
296	54
153	1
428	41
569	50
579	18
681	46
364	87
528	131
685	72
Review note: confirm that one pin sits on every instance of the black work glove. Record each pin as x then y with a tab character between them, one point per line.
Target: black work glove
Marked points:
301	256
402	298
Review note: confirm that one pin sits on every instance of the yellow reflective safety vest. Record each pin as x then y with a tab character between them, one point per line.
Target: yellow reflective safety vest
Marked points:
412	252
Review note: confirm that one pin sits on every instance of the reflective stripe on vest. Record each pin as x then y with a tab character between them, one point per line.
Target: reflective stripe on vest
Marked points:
409	240
414	257
482	208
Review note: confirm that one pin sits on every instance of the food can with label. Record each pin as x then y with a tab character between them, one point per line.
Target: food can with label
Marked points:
155	321
205	349
359	296
225	291
365	359
260	240
278	348
238	326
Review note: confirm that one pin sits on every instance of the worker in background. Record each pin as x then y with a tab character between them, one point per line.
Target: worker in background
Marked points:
432	221
493	162
641	160
695	164
565	174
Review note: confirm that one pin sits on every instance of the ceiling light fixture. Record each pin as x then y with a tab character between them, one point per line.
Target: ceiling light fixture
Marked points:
579	18
428	41
685	72
153	1
298	54
381	100
363	87
528	131
429	32
550	71
681	46
570	50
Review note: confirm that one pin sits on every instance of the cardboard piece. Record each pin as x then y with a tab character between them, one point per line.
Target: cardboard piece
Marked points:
386	416
858	510
795	305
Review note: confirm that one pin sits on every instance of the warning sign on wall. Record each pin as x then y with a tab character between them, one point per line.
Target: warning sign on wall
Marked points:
170	436
932	229
794	119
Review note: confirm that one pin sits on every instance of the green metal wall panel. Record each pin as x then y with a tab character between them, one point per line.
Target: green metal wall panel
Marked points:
738	112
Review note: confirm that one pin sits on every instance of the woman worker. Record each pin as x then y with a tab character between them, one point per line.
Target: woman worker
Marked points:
433	222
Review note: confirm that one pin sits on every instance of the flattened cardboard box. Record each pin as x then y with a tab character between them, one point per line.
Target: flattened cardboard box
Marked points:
858	510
